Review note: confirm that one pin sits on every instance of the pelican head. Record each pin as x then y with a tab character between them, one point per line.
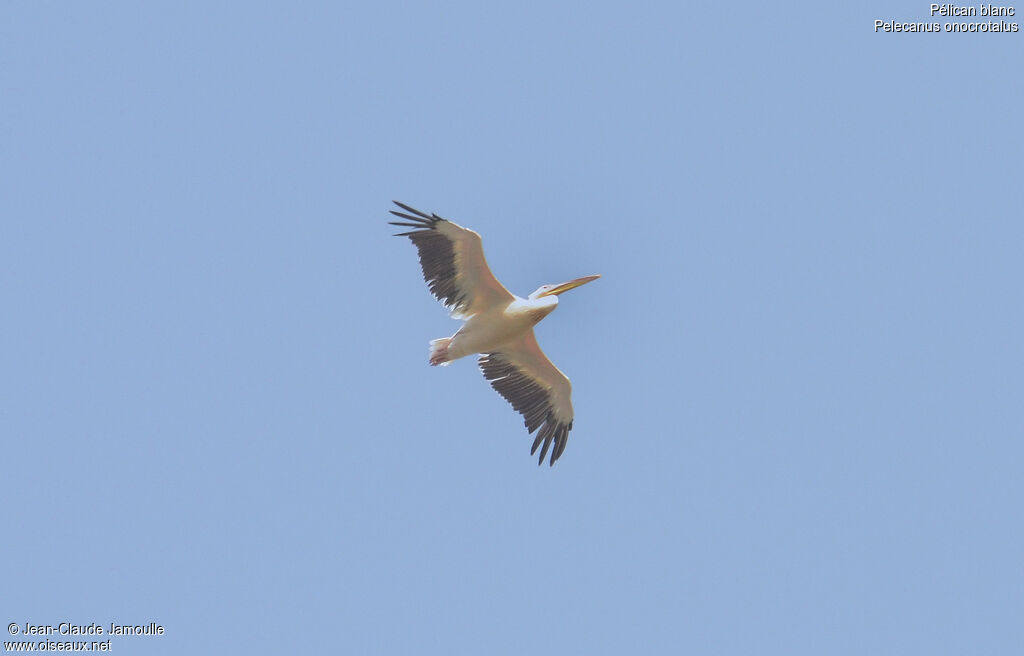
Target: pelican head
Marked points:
555	290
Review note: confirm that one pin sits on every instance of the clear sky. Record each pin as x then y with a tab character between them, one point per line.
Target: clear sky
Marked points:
798	384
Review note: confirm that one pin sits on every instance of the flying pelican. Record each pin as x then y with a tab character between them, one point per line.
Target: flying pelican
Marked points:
498	325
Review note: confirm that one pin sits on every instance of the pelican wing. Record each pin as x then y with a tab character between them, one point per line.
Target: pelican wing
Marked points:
521	373
453	263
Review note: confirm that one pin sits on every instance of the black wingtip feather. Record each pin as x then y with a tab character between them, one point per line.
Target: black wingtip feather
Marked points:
419	221
410	209
544	449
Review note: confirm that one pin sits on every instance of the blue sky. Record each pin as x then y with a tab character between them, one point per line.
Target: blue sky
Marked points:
797	385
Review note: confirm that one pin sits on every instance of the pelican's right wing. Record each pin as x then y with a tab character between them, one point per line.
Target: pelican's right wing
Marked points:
535	387
453	263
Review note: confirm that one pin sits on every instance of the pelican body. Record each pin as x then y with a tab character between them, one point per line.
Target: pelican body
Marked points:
498	325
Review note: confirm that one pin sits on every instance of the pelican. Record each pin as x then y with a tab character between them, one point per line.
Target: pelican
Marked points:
498	325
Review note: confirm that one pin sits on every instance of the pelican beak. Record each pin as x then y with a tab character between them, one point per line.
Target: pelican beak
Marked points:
572	284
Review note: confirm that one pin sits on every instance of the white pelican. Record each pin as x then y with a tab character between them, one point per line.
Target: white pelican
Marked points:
498	325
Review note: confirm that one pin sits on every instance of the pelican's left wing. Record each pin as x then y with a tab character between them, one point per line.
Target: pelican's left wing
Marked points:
521	373
453	263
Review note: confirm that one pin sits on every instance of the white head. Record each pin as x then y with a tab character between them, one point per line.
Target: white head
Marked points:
555	290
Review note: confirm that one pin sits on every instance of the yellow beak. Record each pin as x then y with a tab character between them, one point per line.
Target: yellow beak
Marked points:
566	286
